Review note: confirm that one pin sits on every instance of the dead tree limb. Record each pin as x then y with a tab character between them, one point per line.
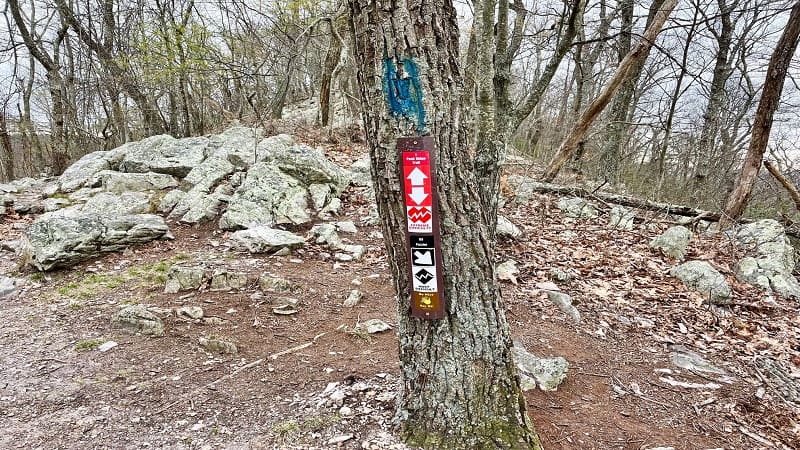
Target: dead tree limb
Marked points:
785	182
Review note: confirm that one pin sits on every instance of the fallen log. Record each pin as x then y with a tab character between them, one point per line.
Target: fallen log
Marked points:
634	202
624	200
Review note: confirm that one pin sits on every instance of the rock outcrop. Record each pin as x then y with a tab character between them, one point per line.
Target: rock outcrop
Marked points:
770	260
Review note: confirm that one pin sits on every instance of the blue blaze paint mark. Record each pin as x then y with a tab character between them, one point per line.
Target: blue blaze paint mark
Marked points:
404	92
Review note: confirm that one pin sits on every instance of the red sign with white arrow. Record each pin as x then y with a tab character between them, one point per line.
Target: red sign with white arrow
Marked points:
419	201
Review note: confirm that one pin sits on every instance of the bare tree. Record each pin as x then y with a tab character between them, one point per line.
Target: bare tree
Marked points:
762	122
459	387
623	72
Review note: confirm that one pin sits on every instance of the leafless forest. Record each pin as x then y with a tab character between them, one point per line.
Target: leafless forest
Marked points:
79	76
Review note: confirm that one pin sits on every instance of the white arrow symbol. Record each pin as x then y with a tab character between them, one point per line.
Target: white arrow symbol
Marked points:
417	177
418	195
423	258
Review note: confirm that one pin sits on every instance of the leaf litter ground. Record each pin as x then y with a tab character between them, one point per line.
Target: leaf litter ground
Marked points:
314	380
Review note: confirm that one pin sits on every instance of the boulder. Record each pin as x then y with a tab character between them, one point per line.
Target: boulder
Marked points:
8	286
237	145
170	200
547	373
223	280
700	276
209	173
506	228
198	206
215	345
137	319
307	164
81	171
119	182
263	239
190	312
673	242
267	196
621	217
770	260
55	203
272	283
523	188
577	207
164	154
64	241
360	171
182	278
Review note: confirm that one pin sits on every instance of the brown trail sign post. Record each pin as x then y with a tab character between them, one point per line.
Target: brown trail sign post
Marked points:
422	218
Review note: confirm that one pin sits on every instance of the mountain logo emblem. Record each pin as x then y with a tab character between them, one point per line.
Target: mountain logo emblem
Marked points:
419	215
423	276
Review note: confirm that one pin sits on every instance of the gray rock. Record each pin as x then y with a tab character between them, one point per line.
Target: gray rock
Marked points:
564	302
271	283
770	260
560	275
692	361
8	286
320	194
55	203
507	271
119	182
373	326
209	173
197	206
700	276
108	204
190	312
278	144
267	196
237	145
82	170
621	217
547	373
64	241
214	345
506	228
360	171
170	200
346	227
308	165
673	242
164	154
577	207
263	239
353	299
182	278
223	280
137	319
523	187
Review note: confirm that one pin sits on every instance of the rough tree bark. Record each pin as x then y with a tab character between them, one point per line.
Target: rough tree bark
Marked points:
458	384
623	72
762	123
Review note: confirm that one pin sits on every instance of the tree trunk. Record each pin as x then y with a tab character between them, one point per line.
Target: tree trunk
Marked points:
6	150
637	54
623	104
458	383
332	58
716	95
571	25
762	123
